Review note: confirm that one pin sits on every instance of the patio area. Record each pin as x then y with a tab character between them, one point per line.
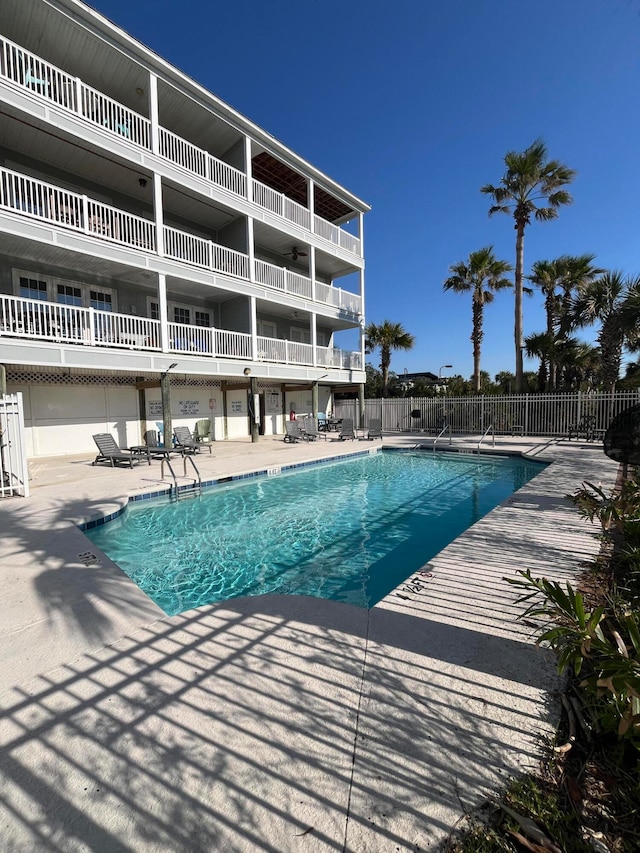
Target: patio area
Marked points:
273	723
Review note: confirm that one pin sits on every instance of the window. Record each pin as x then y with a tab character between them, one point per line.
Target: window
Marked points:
67	294
300	336
101	300
267	329
202	318
154	310
33	288
181	315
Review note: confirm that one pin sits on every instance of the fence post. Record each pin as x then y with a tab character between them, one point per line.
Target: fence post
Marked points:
526	414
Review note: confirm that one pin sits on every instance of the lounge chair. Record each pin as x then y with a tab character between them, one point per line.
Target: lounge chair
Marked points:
114	455
155	450
293	432
185	441
310	429
375	430
347	430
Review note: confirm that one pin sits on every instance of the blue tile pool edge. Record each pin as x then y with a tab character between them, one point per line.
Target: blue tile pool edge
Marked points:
98	521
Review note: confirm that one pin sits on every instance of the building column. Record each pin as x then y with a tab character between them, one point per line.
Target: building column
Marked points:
314	338
253	325
247	167
153	113
251	250
255	408
157	213
162	302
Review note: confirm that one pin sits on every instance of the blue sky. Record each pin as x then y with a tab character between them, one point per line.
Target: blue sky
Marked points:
411	105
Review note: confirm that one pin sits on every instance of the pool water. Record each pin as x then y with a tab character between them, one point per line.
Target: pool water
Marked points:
348	530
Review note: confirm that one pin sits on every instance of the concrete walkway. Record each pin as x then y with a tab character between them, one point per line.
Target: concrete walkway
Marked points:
269	723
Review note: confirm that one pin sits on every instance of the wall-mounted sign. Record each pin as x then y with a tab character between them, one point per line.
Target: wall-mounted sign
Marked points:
189	407
155	407
236	407
273	402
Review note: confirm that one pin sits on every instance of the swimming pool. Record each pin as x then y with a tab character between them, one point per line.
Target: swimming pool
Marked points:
348	530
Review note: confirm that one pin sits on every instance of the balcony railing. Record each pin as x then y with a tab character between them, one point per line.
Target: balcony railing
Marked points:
46	202
33	318
26	69
70	324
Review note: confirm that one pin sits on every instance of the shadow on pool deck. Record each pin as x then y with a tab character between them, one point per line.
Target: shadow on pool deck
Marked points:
271	723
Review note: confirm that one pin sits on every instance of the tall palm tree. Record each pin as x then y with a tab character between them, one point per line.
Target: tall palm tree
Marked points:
482	274
387	336
613	300
529	178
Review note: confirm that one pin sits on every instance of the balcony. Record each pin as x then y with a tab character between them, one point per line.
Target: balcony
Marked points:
45	202
49	83
39	320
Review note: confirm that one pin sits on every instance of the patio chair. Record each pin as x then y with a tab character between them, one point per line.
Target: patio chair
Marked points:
156	451
202	432
375	430
186	442
108	451
310	429
347	430
293	432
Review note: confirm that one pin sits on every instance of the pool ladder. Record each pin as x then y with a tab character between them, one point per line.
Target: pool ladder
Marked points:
185	491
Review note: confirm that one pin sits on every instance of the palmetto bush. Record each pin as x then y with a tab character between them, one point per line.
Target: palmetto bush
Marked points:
599	645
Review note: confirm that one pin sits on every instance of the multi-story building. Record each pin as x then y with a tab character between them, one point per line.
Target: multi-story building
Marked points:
144	223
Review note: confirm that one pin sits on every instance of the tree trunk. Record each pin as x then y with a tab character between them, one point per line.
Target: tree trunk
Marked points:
517	329
476	340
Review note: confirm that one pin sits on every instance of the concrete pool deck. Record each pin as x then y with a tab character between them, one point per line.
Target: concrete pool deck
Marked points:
269	723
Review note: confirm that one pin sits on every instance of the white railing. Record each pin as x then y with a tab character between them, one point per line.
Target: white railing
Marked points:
27	70
101	110
204	340
521	414
298	284
72	210
182	153
14	471
270	275
71	324
284	352
232	344
339	298
33	318
297	213
280	278
224	175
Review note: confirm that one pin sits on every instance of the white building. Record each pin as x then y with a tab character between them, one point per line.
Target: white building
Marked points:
145	223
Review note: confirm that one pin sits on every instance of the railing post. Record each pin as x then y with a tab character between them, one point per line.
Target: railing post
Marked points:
92	326
78	93
85	214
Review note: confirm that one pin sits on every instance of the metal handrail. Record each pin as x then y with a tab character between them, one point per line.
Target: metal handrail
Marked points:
486	432
173	473
195	468
440	434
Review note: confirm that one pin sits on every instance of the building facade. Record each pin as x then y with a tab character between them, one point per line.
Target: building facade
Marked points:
144	223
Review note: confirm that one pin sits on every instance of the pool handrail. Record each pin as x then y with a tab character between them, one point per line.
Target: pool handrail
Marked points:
440	434
486	432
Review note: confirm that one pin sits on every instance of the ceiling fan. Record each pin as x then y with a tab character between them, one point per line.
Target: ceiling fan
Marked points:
296	253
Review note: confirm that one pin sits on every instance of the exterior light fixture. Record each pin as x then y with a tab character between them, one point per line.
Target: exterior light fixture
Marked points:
247	371
444	367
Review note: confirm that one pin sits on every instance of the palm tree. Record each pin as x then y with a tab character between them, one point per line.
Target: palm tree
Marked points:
482	274
529	177
388	336
615	302
569	273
